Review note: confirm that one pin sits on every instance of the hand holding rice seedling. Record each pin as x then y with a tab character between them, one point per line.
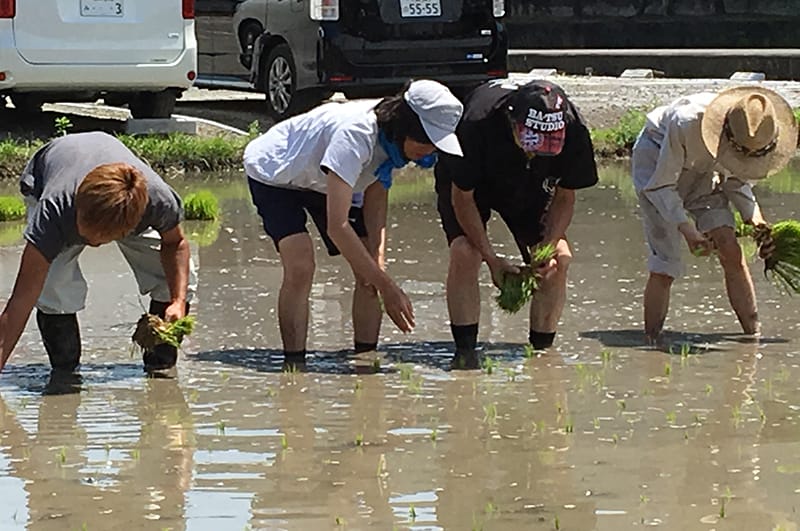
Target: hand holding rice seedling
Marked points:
517	289
782	264
152	330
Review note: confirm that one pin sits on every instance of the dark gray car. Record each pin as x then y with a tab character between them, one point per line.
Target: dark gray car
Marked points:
300	51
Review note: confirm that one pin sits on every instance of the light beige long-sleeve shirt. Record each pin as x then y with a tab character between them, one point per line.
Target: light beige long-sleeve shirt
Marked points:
685	171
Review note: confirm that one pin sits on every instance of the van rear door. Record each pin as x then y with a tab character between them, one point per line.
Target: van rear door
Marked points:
99	31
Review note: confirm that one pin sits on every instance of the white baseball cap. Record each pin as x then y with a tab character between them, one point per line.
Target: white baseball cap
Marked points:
439	112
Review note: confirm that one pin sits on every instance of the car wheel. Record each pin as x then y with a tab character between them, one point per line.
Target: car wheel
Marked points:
27	102
153	104
280	83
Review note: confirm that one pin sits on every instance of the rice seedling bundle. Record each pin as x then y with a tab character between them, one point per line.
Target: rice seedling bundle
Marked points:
517	289
783	266
152	330
12	208
201	205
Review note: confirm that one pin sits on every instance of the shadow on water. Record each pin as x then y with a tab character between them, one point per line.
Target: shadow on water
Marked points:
428	354
38	378
673	341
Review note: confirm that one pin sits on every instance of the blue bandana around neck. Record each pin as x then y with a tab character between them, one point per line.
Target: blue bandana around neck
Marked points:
396	160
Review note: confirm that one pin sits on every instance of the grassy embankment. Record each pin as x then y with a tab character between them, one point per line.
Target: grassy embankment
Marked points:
196	153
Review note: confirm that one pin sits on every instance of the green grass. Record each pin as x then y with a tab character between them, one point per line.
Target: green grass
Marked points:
618	140
201	205
188	152
184	152
12	208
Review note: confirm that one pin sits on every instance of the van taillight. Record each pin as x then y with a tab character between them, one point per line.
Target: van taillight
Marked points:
499	8
8	8
324	9
188	8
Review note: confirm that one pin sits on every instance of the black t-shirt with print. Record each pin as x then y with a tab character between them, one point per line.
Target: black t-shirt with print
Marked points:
499	172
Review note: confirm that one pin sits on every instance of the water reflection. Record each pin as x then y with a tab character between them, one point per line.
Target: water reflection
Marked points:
603	433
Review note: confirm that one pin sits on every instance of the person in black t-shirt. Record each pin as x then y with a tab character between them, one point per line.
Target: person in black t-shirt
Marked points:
526	150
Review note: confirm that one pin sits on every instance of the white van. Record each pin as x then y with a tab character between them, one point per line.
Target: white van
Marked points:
139	52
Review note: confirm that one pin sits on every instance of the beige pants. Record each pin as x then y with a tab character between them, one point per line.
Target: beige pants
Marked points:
65	289
708	205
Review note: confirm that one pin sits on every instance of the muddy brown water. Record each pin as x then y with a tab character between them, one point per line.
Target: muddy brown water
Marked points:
600	433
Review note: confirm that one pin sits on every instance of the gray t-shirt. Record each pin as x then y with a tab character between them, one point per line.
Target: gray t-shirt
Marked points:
52	177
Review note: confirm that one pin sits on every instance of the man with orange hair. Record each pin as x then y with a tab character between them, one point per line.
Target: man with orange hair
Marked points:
89	189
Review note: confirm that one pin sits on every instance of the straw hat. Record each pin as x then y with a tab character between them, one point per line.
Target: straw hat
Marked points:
751	131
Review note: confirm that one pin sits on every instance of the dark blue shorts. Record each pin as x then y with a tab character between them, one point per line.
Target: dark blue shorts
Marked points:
283	212
527	230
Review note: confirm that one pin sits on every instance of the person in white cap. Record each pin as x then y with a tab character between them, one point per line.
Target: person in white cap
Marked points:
527	151
335	164
692	158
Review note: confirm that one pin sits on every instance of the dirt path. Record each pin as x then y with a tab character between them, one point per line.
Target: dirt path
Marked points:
601	99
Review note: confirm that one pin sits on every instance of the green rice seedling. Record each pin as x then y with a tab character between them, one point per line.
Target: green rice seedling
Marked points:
528	351
783	267
202	205
221	427
12	208
359	440
490	509
412	513
517	289
569	426
284	442
152	330
434	435
489	365
490	413
742	229
406	372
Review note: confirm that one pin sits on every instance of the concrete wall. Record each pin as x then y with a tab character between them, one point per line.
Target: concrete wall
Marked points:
653	23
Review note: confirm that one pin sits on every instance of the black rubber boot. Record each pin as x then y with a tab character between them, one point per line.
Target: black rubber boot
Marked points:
164	356
62	339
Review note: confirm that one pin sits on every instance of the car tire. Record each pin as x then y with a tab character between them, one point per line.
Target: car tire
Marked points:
153	104
27	103
280	84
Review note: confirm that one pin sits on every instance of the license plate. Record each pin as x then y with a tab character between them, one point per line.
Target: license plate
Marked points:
102	8
420	8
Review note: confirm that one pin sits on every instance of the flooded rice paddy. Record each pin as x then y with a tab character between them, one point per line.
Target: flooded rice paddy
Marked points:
602	432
